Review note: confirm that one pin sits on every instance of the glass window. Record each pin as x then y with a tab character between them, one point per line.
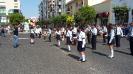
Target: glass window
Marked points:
15	6
2	1
2	10
15	0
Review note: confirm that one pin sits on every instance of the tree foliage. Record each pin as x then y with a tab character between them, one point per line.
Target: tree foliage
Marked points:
86	14
15	18
70	20
43	22
121	14
59	20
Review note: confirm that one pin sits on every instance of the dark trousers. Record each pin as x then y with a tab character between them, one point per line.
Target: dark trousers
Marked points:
49	37
104	38
93	41
117	40
89	38
131	44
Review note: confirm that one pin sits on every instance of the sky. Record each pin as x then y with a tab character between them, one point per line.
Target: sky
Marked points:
30	8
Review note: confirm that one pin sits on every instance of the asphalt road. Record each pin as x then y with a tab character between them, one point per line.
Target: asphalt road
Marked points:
45	58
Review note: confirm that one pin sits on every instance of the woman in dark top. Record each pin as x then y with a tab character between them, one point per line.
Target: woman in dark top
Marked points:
15	37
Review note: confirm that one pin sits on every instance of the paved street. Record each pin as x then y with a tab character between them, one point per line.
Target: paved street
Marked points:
45	58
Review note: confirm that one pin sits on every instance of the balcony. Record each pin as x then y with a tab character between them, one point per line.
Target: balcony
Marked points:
59	3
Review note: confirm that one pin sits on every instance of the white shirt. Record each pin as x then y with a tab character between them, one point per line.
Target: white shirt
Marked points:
69	33
62	29
49	31
37	30
119	31
94	31
32	31
104	29
88	29
58	32
81	36
74	30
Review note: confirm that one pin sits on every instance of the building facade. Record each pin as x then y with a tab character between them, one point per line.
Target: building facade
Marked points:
74	5
50	8
104	9
8	6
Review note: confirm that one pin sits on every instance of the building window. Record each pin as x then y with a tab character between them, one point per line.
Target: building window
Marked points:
1	1
15	6
15	0
2	10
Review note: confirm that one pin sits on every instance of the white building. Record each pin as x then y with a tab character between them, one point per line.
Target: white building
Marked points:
8	6
104	7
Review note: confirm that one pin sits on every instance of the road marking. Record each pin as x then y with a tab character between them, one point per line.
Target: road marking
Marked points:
23	38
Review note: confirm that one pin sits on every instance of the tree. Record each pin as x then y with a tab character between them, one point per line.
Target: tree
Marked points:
69	20
43	23
121	14
59	20
85	15
15	18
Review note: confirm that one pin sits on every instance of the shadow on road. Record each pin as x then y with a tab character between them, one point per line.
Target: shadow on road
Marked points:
99	53
122	52
55	45
65	49
88	47
73	56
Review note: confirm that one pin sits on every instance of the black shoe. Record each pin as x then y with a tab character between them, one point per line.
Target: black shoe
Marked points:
131	54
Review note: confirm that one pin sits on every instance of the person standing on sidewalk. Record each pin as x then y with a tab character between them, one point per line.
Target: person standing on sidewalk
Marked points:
58	36
15	37
81	37
49	34
93	37
69	38
118	35
130	37
111	40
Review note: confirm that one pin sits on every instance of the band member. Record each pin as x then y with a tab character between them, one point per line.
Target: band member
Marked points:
94	37
130	36
58	37
111	40
32	35
81	44
104	31
119	34
44	34
69	38
49	34
74	34
63	33
88	33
